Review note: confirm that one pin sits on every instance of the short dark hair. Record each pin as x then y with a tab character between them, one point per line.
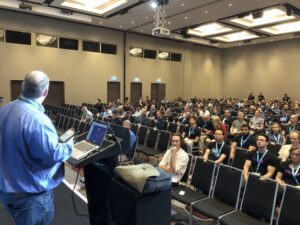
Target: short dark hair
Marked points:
263	135
245	125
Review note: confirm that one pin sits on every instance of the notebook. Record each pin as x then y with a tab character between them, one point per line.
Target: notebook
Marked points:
92	141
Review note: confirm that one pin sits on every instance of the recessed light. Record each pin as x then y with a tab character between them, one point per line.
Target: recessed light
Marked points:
283	28
146	17
154	4
132	22
236	36
186	18
120	26
182	4
169	22
100	22
230	4
206	11
271	40
141	30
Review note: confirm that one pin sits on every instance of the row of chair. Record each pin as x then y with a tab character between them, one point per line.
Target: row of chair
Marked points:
215	192
63	123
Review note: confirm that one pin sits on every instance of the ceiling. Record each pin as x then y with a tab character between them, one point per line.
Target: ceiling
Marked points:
138	16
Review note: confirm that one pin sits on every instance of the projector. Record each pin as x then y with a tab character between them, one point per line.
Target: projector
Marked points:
160	31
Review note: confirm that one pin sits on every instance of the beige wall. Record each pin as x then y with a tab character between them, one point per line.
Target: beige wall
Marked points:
85	73
272	68
204	71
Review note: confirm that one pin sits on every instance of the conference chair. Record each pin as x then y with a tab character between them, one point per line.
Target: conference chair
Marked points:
289	209
240	156
225	195
258	203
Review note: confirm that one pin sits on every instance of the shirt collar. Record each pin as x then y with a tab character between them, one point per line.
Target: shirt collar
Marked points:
33	102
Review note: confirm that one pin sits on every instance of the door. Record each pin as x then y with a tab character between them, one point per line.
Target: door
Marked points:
56	94
158	91
113	91
135	92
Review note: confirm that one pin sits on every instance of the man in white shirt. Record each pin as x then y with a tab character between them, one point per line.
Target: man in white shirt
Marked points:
175	160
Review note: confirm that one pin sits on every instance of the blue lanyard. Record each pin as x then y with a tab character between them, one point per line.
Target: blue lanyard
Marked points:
277	139
244	141
290	128
219	149
191	131
294	173
259	160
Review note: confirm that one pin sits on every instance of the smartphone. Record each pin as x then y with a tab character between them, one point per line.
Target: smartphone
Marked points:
67	135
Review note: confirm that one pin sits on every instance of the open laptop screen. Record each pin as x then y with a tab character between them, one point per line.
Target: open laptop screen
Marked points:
96	133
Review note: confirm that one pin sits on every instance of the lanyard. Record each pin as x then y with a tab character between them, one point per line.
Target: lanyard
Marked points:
244	141
294	173
277	139
292	129
259	160
219	149
191	131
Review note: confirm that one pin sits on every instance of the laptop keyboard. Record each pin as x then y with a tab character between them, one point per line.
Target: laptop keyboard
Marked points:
84	146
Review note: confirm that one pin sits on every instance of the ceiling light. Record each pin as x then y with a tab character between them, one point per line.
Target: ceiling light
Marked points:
230	4
93	6
209	29
186	18
236	36
164	55
259	18
136	51
283	28
43	39
206	11
153	4
182	4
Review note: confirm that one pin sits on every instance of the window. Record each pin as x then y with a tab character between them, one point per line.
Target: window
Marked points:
46	40
109	49
18	37
176	57
149	54
91	46
66	43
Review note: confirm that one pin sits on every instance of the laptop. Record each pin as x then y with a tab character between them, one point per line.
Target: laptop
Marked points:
92	141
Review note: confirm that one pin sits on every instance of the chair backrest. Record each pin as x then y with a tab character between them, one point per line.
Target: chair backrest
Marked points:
172	127
131	155
186	174
76	124
163	141
274	148
259	198
240	157
81	127
142	134
202	178
181	128
134	128
289	212
57	120
228	185
66	123
71	123
61	122
152	138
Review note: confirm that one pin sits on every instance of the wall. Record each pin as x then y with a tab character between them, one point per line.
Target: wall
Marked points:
272	68
85	73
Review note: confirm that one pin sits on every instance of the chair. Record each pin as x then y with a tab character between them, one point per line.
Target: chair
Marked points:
181	128
202	180
71	123
130	156
225	196
163	141
289	213
274	148
240	156
134	128
258	203
172	127
150	142
185	177
76	124
142	133
66	123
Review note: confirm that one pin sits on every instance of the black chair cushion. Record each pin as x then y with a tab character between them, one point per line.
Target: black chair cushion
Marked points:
212	208
240	218
189	195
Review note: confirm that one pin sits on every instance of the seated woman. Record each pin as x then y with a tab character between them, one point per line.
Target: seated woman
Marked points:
275	135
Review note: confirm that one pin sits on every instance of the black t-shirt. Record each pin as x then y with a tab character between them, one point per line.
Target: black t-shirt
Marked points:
287	174
261	161
291	128
208	125
192	133
216	150
244	141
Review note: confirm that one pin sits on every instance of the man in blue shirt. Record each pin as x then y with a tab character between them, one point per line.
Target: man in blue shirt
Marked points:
31	157
130	154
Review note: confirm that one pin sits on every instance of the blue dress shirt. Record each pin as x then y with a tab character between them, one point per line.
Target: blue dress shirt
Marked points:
30	153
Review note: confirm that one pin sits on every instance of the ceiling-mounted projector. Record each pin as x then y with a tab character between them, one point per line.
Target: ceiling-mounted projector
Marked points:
161	32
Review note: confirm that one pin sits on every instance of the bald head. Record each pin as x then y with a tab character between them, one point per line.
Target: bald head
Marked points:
35	84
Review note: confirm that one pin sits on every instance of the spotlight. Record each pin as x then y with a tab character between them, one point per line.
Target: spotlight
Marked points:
66	12
185	34
257	14
289	12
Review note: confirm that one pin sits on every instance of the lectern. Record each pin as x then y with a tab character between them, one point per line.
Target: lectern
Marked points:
98	170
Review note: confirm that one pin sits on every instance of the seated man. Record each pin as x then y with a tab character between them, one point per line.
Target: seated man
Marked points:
218	150
261	162
237	124
142	119
175	160
292	126
284	151
244	140
191	135
129	154
256	122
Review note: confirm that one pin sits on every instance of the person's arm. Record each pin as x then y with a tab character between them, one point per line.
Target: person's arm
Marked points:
279	179
164	163
221	159
270	172
232	149
247	166
205	157
196	139
251	148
